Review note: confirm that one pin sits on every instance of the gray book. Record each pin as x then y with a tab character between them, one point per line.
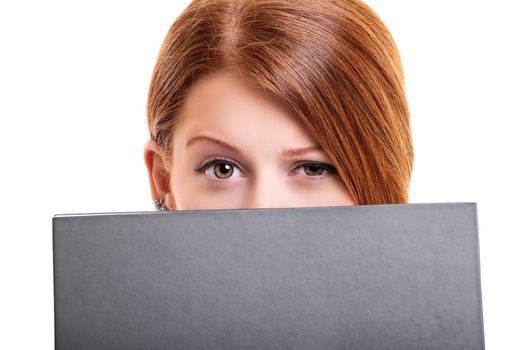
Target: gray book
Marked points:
399	276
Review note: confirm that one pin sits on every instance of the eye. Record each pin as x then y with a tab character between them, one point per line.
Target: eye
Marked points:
218	168
315	170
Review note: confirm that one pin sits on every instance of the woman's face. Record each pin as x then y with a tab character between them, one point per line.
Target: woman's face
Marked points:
238	148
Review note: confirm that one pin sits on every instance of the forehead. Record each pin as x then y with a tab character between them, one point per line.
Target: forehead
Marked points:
227	105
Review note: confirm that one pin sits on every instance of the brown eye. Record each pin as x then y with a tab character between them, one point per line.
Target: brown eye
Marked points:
220	169
223	170
314	169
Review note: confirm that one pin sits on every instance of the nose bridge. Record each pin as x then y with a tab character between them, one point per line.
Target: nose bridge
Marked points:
267	190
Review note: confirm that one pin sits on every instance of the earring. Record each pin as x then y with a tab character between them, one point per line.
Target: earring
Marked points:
160	205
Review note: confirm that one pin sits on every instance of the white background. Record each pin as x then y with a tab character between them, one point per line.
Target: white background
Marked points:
73	85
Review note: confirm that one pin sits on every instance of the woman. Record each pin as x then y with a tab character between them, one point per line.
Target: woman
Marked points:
264	103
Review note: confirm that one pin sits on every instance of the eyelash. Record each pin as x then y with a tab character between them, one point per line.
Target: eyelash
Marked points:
202	167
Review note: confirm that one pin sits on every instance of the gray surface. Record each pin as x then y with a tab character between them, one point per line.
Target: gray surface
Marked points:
402	276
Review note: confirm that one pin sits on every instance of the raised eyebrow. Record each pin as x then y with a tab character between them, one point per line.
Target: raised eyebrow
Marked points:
213	140
287	153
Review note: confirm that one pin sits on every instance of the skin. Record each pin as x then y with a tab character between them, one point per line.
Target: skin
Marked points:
262	173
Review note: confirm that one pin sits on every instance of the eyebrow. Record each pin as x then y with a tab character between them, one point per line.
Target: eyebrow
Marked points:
287	153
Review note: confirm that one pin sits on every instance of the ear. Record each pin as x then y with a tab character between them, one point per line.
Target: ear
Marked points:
159	175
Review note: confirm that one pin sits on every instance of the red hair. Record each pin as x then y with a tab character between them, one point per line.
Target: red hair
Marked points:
333	62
